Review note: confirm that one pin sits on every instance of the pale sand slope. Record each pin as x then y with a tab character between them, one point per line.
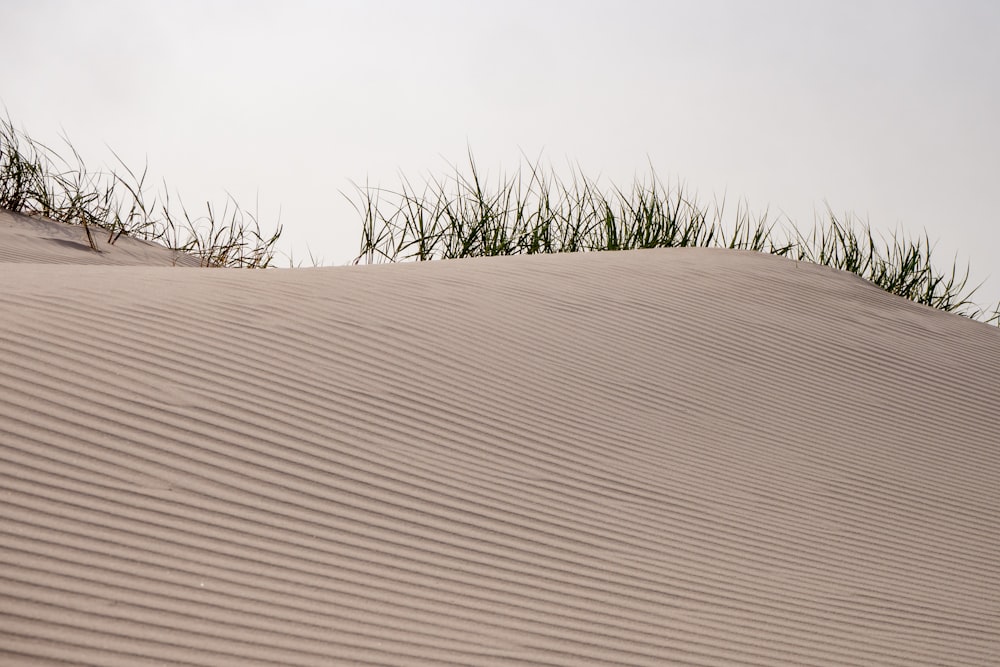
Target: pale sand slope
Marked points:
37	240
688	456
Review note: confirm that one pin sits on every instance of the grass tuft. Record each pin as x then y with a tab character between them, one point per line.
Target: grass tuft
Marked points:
36	180
536	212
465	215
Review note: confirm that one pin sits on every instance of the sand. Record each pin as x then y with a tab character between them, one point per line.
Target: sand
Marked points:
28	239
656	457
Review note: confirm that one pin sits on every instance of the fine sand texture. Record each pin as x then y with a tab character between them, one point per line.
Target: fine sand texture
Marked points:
28	239
655	457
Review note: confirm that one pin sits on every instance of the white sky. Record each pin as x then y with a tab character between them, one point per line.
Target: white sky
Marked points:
885	109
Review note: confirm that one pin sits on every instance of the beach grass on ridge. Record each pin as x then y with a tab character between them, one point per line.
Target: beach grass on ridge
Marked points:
36	180
534	211
531	212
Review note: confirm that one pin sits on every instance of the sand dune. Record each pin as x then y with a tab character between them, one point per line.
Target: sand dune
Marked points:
660	457
28	239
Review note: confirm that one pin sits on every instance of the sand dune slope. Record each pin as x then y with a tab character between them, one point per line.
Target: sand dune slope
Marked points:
38	240
662	457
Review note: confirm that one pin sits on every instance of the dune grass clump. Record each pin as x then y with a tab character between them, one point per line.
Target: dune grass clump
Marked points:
537	212
36	180
900	265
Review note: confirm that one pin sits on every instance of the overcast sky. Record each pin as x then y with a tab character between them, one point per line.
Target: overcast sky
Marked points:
885	109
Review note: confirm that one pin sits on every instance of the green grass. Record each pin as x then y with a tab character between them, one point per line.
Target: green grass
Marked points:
36	180
536	212
533	211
